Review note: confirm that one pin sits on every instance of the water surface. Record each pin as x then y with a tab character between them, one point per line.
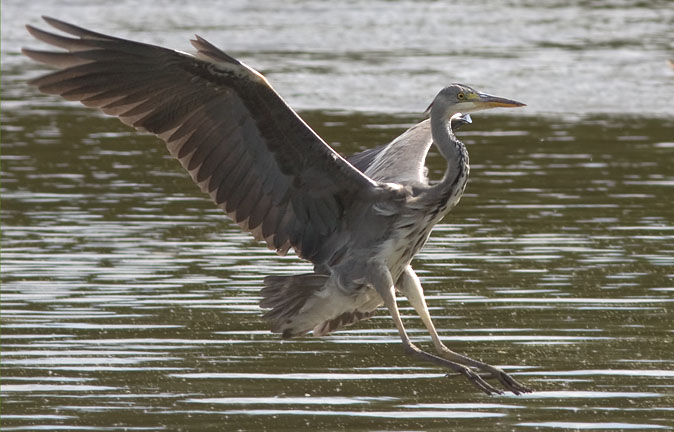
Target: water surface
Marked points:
130	303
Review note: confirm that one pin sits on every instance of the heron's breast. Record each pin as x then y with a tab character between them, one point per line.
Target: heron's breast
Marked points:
400	248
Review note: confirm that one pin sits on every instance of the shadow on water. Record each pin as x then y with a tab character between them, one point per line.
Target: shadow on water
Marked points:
125	292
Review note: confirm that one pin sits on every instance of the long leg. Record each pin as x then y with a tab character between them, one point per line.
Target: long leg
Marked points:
410	286
381	278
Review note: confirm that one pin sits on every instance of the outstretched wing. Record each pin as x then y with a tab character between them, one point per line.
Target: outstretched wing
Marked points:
240	142
401	161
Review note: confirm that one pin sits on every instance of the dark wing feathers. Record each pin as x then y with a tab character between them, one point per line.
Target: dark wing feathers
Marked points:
240	142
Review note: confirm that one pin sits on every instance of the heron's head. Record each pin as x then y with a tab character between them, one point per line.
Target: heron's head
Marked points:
462	98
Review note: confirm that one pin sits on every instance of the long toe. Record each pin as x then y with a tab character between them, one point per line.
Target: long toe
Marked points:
489	371
479	382
512	384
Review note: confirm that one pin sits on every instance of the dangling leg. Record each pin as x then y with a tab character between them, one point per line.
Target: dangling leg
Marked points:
380	277
410	286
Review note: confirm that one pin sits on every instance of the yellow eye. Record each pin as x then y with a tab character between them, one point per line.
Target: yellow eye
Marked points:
461	96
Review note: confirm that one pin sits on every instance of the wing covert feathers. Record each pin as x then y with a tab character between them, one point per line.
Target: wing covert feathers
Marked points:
237	138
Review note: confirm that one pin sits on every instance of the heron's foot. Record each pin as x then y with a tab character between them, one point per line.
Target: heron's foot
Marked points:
477	381
467	372
507	381
491	372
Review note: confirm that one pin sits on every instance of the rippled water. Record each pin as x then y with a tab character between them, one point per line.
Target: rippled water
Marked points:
130	303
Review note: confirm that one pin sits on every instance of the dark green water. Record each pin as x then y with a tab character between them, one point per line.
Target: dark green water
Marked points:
130	303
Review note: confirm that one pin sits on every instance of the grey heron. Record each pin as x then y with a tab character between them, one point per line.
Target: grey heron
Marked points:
360	223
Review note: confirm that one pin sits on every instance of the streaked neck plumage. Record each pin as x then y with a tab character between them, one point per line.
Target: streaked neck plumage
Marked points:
453	182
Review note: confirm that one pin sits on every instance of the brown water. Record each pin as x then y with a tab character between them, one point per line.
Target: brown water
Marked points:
130	303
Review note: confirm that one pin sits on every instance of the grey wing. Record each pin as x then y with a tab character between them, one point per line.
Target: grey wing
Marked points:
401	161
240	142
362	160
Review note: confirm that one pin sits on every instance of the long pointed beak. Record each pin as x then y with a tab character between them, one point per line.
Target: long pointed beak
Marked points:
488	101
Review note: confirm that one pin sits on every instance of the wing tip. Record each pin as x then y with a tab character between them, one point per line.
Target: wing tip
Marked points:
50	20
74	30
34	31
210	51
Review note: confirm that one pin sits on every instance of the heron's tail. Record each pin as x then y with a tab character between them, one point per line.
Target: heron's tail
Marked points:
301	303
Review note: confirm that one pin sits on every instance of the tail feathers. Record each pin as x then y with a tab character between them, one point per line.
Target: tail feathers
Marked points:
286	296
302	303
343	320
